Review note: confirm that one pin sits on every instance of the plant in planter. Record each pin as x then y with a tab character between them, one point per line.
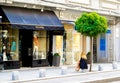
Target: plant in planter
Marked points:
56	59
88	57
56	54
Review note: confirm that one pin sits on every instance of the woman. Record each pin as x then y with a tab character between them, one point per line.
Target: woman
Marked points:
82	63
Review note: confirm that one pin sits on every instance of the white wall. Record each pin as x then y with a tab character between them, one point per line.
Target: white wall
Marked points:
117	42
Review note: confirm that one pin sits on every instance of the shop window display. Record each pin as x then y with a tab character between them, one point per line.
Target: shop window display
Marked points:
35	45
39	45
9	45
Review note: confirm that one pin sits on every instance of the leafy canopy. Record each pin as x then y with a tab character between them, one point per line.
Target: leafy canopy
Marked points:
91	24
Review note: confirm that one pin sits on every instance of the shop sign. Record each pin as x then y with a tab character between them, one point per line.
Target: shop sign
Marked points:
40	27
72	16
108	32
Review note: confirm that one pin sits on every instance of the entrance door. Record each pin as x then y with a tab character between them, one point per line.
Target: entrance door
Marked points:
25	47
55	45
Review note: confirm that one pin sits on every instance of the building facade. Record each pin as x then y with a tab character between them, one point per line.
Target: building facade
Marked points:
33	30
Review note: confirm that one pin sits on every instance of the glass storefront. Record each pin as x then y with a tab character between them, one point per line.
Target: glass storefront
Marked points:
23	45
9	47
9	44
39	45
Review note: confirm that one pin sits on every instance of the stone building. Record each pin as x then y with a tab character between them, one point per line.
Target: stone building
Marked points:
52	21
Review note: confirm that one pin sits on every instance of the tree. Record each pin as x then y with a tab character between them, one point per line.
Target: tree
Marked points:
91	24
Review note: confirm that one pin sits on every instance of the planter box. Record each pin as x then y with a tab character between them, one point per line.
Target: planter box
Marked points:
56	61
88	59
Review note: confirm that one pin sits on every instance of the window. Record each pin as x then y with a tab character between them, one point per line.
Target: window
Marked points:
9	44
39	45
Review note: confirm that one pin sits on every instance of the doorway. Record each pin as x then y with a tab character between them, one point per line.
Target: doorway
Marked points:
25	47
58	46
55	43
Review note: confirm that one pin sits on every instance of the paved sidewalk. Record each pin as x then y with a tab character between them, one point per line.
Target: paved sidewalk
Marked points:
77	78
34	73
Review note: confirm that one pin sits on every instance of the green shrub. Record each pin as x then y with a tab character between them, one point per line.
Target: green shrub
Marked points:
88	53
56	54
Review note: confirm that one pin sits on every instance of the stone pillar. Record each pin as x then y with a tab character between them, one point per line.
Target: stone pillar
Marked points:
42	72
64	70
15	75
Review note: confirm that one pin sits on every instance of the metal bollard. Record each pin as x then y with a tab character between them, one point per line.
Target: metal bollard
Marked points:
64	70
15	75
100	67
114	65
42	72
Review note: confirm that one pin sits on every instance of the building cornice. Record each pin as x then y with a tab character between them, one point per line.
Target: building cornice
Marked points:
57	6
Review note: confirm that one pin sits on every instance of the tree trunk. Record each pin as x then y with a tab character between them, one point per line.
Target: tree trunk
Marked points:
84	44
91	50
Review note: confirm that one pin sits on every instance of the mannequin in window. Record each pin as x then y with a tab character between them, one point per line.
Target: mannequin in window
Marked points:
13	46
35	46
6	47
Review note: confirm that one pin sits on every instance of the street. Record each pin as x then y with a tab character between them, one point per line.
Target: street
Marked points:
111	80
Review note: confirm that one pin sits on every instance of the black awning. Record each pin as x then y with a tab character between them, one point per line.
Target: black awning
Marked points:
30	18
36	27
23	27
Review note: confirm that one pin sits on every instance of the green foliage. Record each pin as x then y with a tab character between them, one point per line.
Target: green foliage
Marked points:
91	24
56	54
89	53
